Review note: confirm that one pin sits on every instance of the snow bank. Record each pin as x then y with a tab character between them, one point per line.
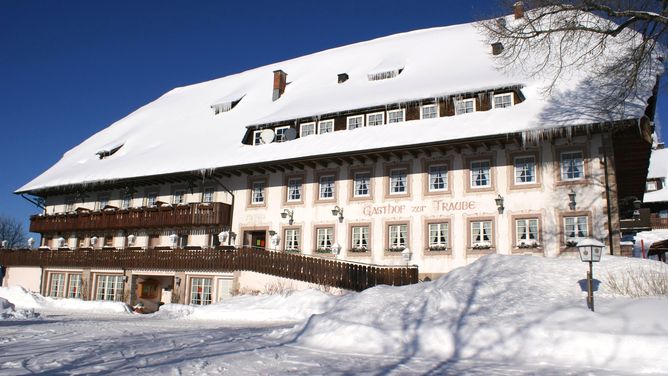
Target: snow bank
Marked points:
9	311
500	308
22	298
293	307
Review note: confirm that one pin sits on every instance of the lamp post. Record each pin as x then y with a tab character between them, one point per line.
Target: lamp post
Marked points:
590	251
406	254
336	249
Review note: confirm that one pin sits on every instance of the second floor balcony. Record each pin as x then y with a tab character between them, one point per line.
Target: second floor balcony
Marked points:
189	215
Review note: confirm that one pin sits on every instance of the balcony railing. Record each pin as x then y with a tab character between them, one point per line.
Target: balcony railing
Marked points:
209	214
337	273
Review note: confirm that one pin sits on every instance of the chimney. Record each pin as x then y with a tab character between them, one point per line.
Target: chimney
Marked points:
518	10
343	77
279	84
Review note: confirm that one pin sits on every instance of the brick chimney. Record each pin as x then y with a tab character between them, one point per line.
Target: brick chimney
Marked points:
279	84
518	10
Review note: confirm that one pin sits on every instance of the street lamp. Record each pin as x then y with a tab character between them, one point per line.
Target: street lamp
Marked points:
287	213
338	211
590	251
499	203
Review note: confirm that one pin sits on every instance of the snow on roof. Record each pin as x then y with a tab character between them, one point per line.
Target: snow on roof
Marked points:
658	169
178	132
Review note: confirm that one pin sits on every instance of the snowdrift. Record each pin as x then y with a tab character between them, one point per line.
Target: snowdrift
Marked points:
22	298
9	311
501	308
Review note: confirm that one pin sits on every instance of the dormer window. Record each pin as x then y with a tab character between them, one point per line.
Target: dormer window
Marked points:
503	100
226	104
280	133
325	126
355	122
375	119
306	129
395	116
384	74
106	152
429	111
257	139
464	106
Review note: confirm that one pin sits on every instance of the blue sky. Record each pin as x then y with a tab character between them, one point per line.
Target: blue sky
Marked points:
70	68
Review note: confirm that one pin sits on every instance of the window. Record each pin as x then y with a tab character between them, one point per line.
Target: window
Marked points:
429	111
207	195
398	237
57	285
526	232
151	199
126	203
503	100
375	119
257	138
398	183
306	129
360	239
291	240
110	287
355	122
182	241
395	116
572	165
575	228
650	186
481	234
325	126
324	239
280	134
361	182
294	189
257	192
464	106
69	204
74	286
438	178
663	213
480	174
525	170
438	236
102	202
326	187
179	197
200	291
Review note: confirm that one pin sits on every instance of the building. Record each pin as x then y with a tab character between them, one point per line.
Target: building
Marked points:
413	141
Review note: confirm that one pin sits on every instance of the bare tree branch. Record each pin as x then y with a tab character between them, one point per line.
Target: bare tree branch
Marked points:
12	231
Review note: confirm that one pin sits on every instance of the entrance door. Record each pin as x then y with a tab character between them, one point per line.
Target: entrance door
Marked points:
255	239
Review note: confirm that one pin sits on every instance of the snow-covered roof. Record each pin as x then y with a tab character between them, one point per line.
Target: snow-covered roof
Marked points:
179	132
658	169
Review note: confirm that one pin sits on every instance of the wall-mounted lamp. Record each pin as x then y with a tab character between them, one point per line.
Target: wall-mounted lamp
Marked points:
338	211
287	213
93	241
177	281
571	200
125	279
131	240
499	204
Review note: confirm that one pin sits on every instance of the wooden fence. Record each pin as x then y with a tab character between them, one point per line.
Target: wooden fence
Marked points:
337	273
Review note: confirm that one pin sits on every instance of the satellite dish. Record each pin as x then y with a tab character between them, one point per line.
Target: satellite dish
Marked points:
267	136
290	134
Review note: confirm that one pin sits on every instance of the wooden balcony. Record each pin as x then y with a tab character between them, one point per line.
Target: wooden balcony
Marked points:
325	271
209	214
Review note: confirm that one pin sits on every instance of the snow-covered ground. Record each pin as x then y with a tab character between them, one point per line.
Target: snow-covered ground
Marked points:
500	315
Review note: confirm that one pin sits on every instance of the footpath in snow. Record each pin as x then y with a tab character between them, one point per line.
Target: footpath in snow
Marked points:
501	310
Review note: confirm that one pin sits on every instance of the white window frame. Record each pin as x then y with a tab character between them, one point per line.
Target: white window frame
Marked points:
462	104
397	181
518	173
151	198
204	297
397	235
324	238
576	227
511	103
527	230
360	237
330	126
109	287
481	229
438	235
432	178
257	137
257	192
74	285
291	239
280	133
356	187
208	194
401	119
179	197
374	115
563	167
303	132
422	111
355	118
474	174
57	285
322	187
294	189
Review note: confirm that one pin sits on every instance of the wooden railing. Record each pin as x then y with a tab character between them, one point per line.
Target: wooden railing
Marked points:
210	214
658	223
337	273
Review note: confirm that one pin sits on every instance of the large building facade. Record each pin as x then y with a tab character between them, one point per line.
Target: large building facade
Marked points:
384	155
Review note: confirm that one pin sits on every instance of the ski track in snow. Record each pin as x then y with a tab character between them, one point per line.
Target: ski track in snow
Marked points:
75	344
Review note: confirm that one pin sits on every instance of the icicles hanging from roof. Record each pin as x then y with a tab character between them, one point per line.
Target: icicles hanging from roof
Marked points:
384	74
227	103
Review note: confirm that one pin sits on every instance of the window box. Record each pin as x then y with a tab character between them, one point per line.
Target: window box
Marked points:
438	248
359	249
482	245
395	249
323	250
528	244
